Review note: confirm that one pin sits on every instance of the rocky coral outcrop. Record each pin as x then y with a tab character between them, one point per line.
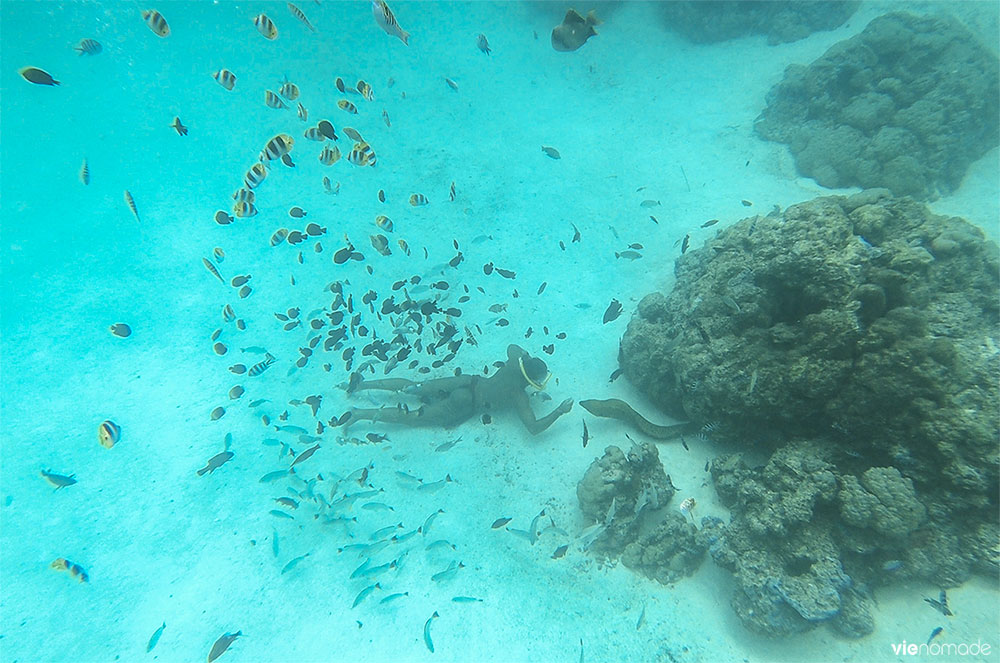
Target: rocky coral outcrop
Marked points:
780	20
854	340
624	493
907	105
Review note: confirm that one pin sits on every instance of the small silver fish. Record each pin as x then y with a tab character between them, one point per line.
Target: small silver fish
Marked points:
293	563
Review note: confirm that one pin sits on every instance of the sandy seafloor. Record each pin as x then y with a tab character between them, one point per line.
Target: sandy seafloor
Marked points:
632	108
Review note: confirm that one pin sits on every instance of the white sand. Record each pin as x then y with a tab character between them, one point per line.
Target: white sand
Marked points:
632	108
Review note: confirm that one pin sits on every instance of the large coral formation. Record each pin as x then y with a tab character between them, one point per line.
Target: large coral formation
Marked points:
781	20
907	105
855	340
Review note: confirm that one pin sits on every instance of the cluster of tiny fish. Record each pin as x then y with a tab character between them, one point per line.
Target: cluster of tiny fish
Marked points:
370	333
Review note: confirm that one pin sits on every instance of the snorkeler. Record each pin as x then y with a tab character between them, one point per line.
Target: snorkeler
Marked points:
448	402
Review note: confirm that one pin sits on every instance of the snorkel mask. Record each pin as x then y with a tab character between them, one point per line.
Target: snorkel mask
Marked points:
537	386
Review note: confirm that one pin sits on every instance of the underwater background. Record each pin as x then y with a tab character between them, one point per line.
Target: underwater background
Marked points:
557	182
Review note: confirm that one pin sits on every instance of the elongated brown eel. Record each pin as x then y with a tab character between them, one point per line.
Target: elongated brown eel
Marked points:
614	408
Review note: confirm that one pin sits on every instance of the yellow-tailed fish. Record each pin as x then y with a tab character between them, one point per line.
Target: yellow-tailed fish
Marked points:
297	13
353	134
254	176
344	104
289	91
211	268
85	173
418	200
365	90
130	201
273	101
88	47
75	570
265	26
279	236
108	433
303	113
244	194
156	22
225	78
385	19
384	222
278	146
329	156
313	133
244	210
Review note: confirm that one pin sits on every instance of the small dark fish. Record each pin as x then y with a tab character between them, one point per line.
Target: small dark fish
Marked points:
454	86
304	455
58	480
541	288
214	463
941	605
121	330
628	255
222	644
451	192
482	44
935	633
574	31
500	522
427	632
560	551
75	570
37	76
615	374
685	243
613	311
649	203
179	127
576	234
551	152
130	201
88	47
155	637
586	434
709	223
746	203
653	219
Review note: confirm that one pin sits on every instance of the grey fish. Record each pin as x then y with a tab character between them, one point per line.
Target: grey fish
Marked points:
59	480
293	563
364	593
393	597
448	445
434	486
272	476
649	203
466	599
573	32
256	349
430	519
448	573
155	637
281	514
427	631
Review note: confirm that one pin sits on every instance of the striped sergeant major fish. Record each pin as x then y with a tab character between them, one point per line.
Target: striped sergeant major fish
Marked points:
261	366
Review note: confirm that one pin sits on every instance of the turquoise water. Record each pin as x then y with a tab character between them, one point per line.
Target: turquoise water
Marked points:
636	107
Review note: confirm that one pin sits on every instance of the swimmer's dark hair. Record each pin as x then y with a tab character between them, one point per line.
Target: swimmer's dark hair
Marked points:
536	369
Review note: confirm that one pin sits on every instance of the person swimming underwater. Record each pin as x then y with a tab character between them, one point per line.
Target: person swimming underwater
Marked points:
448	402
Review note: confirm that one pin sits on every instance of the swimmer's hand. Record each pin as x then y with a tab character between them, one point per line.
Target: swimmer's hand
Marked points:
565	406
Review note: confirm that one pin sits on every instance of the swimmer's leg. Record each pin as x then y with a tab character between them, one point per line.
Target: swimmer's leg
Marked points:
458	407
388	384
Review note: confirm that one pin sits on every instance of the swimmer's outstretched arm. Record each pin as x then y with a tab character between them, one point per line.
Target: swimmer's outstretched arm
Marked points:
527	415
